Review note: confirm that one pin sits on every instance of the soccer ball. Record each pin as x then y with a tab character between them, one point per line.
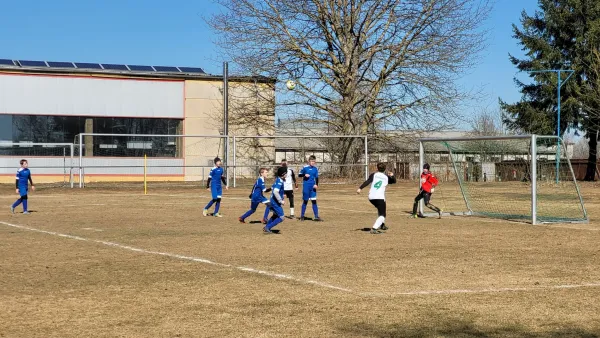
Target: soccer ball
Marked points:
290	84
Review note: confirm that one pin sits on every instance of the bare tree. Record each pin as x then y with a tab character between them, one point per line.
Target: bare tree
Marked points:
486	124
359	62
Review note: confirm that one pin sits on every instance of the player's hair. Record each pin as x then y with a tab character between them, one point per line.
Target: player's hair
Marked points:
217	160
22	161
426	166
281	171
381	167
312	158
262	170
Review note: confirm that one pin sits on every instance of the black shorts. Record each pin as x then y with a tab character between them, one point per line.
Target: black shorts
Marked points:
380	205
289	193
423	195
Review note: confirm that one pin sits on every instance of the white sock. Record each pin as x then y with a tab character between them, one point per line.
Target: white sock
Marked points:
378	222
291	211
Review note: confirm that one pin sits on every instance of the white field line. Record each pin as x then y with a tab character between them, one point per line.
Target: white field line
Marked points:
308	281
181	257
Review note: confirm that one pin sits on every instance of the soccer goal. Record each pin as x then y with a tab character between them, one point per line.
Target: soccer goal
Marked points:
524	178
142	159
341	159
51	163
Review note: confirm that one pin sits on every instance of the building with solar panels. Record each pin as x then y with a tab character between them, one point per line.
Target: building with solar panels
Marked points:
44	103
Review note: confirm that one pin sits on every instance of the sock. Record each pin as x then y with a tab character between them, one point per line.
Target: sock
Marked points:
303	209
291	211
217	206
315	209
247	214
17	203
24	205
415	206
378	222
209	205
266	214
273	222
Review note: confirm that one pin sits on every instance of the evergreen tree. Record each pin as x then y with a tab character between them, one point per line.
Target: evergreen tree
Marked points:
562	34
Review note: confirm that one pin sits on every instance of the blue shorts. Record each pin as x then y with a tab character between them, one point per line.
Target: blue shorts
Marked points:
217	192
277	209
23	191
254	204
308	192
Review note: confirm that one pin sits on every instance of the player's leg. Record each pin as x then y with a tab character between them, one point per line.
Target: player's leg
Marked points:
380	205
267	211
383	212
315	207
212	201
416	203
431	206
219	194
305	197
289	194
278	217
25	209
253	207
16	204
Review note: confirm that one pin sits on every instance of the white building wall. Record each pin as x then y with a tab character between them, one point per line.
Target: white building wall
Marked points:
101	97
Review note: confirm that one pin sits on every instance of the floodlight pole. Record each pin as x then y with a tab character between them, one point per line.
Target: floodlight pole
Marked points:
558	86
226	117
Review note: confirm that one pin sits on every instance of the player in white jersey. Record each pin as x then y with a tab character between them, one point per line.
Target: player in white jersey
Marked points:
289	185
378	182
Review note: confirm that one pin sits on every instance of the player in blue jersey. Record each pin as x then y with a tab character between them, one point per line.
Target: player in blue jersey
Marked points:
277	201
310	183
22	182
215	178
256	196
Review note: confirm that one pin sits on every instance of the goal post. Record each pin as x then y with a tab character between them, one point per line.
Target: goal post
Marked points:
51	163
146	160
516	177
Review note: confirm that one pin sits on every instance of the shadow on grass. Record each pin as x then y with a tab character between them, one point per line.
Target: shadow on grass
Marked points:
457	328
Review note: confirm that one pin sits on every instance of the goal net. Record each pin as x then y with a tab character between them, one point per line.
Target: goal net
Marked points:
340	159
523	178
51	164
131	160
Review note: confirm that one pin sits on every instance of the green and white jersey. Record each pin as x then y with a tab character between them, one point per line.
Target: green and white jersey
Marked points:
378	181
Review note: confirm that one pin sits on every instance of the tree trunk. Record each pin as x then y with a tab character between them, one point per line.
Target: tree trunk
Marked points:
590	172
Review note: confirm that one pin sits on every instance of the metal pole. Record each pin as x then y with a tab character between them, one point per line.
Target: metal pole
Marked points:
80	161
366	158
71	167
234	162
226	114
533	179
558	129
421	163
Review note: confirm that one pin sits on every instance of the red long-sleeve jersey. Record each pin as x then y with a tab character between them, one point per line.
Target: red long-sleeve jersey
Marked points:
428	181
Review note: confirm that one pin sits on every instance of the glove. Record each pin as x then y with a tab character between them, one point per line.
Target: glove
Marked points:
432	190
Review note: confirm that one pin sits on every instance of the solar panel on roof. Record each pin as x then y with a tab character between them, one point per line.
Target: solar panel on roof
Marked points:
114	67
191	70
29	63
7	62
141	68
61	64
88	65
166	69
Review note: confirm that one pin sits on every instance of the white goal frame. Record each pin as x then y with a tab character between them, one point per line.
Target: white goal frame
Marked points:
533	151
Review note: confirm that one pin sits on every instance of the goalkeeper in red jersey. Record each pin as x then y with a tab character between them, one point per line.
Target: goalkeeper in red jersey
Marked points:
428	184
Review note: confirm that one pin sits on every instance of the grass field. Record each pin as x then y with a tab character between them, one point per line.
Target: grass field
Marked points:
110	262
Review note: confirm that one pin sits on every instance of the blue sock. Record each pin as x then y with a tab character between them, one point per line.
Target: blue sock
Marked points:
17	203
24	205
266	215
217	206
209	204
316	210
273	222
303	209
248	213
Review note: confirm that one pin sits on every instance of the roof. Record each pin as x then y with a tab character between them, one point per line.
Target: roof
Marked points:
68	67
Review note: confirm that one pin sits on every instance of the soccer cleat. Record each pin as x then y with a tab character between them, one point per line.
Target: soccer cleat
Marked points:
413	216
420	216
12	210
375	232
318	219
26	213
264	221
218	215
205	212
301	218
241	220
383	227
440	214
267	231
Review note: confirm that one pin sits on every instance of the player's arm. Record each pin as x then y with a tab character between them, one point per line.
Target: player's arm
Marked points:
391	178
294	178
223	180
277	196
208	182
31	182
301	173
365	183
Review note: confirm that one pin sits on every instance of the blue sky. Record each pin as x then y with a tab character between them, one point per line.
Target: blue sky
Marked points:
173	33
